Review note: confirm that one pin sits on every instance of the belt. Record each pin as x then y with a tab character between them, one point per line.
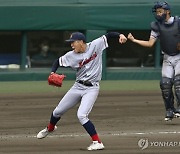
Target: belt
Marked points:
86	83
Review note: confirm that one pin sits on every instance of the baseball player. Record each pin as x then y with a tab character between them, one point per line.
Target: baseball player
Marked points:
86	58
167	29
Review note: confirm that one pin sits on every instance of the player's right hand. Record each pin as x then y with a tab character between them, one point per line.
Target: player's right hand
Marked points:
122	38
130	37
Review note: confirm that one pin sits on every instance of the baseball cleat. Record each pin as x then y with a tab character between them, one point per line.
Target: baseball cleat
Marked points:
96	146
43	133
169	115
168	119
177	112
177	115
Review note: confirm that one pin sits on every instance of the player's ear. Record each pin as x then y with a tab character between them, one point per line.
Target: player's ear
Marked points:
168	12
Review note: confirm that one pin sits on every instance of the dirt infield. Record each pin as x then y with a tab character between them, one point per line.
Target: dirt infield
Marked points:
127	122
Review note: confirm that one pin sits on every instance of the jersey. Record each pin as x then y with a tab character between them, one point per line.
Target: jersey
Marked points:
89	63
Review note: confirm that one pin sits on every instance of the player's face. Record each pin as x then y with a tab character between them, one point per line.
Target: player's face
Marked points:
77	46
160	11
162	14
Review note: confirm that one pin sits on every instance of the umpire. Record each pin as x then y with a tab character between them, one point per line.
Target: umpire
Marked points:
167	29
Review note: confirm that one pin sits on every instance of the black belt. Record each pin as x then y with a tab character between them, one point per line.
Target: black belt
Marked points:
86	83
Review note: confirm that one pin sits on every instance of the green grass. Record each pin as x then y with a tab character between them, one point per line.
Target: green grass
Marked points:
43	87
130	85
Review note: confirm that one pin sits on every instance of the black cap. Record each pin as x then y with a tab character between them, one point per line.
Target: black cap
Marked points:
161	4
76	36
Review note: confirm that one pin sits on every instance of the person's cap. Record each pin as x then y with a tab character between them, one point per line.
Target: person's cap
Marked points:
76	36
161	4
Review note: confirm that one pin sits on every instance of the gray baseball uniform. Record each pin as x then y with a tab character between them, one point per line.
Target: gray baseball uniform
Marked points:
171	64
89	68
169	35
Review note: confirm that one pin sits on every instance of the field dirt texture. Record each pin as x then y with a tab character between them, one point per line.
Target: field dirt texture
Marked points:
127	123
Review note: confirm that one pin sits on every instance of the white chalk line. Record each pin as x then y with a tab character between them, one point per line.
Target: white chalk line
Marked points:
83	135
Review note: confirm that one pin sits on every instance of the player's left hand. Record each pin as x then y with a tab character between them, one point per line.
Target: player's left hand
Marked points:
56	79
122	38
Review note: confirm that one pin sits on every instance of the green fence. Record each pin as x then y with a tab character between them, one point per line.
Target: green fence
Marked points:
94	16
77	14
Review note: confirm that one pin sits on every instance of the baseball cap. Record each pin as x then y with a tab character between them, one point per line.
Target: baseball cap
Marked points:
161	4
76	36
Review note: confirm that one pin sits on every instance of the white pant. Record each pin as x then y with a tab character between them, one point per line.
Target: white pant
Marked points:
171	66
78	93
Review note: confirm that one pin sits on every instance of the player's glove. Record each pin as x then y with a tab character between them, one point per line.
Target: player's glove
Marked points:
56	79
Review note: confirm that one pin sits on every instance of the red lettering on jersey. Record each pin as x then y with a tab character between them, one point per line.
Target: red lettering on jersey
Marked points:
84	62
